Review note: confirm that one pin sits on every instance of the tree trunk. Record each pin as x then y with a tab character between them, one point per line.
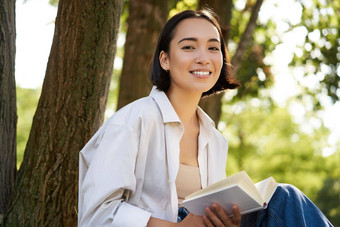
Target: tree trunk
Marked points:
223	9
8	110
71	108
145	21
213	104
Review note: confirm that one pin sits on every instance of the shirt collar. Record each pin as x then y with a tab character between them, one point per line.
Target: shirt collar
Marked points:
169	114
205	120
206	125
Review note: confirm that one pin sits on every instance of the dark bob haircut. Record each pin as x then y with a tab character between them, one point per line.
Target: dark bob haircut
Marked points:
161	78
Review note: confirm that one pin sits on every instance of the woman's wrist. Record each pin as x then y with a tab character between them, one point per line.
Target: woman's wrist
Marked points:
155	222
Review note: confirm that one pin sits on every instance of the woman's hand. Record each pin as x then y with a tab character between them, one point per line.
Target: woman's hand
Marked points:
216	216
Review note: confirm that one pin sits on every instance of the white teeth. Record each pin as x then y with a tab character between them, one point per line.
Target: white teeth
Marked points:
201	73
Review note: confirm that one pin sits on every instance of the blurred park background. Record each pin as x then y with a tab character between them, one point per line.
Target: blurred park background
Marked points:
284	120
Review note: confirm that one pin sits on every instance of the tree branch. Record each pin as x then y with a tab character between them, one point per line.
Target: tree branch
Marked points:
246	37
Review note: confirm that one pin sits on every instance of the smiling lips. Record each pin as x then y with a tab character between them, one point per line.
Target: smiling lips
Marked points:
201	74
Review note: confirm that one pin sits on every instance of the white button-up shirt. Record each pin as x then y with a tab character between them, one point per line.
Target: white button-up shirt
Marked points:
127	171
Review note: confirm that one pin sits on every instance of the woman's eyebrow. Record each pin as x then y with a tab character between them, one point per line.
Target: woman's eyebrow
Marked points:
195	40
214	40
187	39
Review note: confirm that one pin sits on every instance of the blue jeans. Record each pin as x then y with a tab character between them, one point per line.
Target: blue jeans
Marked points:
288	207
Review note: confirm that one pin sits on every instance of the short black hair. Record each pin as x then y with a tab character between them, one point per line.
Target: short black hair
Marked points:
161	78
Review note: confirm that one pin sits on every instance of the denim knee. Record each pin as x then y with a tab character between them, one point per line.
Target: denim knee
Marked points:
288	207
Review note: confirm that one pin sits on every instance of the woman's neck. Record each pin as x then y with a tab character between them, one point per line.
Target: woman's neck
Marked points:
185	105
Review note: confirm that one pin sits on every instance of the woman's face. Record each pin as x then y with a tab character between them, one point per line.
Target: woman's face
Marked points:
195	59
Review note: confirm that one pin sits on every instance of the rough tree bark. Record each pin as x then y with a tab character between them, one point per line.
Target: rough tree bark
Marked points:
8	111
145	21
223	8
70	110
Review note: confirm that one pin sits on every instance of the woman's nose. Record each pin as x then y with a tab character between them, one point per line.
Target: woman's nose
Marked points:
202	57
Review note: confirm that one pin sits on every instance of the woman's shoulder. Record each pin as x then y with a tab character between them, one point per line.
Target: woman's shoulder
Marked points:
219	137
210	128
144	109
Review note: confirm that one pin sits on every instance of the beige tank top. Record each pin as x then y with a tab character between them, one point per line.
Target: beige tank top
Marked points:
188	181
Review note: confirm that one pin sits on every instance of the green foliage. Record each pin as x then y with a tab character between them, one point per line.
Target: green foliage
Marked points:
238	23
265	141
254	73
113	94
321	49
27	101
328	198
124	17
54	2
182	5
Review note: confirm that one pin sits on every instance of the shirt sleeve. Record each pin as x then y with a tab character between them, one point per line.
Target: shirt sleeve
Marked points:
106	176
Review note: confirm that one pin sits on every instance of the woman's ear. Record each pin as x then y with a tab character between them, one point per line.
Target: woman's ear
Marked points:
164	60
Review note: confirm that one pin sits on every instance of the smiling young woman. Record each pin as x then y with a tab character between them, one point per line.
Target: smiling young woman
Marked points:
195	59
153	152
194	63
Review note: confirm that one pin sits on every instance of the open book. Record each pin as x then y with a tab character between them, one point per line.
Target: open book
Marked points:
237	189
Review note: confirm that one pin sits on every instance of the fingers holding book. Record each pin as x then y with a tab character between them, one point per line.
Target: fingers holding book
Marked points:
216	216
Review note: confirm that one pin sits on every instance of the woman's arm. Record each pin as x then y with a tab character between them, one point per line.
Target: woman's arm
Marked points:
215	216
107	174
190	220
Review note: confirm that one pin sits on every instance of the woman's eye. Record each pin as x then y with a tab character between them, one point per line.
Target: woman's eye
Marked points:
214	48
188	48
